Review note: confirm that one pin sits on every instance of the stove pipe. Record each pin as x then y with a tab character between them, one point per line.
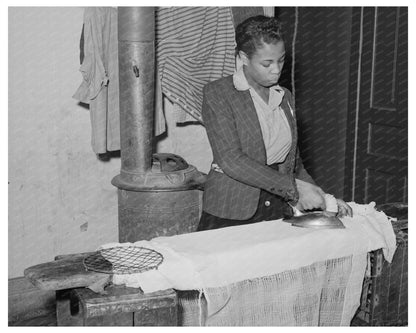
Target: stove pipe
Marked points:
158	194
136	47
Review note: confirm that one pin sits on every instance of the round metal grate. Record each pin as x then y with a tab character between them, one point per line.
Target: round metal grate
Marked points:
123	260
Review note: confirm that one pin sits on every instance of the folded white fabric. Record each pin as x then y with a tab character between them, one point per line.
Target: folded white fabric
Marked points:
378	227
220	257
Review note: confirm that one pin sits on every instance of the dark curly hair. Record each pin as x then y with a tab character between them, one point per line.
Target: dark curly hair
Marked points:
251	33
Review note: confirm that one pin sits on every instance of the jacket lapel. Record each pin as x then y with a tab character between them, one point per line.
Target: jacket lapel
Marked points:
247	115
290	117
293	129
247	118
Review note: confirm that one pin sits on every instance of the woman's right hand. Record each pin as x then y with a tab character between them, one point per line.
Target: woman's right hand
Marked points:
311	197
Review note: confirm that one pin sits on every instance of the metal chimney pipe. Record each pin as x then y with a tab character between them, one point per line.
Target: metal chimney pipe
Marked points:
158	194
136	49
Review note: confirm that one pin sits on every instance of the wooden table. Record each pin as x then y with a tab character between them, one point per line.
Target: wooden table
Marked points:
77	305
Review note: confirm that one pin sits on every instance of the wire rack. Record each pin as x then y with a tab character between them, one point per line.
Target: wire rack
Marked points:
123	260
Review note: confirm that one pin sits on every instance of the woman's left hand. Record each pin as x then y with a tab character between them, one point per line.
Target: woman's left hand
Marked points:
343	208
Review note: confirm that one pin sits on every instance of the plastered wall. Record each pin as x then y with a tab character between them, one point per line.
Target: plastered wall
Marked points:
189	141
60	196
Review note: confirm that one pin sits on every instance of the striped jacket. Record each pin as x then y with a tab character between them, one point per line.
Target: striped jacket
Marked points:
236	140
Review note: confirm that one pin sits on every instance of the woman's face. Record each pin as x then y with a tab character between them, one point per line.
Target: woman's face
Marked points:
265	65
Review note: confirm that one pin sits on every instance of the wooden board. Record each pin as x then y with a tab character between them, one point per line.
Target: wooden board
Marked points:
120	306
28	304
66	272
123	299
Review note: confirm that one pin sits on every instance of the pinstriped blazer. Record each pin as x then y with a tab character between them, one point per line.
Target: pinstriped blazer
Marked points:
237	144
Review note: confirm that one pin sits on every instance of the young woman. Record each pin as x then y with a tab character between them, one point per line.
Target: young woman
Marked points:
256	174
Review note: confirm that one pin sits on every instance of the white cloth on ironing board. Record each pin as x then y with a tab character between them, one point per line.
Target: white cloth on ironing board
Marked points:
217	258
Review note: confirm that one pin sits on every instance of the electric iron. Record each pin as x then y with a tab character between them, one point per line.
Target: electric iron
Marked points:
319	219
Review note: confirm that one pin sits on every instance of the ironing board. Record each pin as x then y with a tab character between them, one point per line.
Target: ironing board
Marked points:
193	261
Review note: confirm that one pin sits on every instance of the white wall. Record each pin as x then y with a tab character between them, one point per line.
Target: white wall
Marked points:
188	141
60	196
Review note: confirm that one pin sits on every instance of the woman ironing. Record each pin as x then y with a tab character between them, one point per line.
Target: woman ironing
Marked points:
256	174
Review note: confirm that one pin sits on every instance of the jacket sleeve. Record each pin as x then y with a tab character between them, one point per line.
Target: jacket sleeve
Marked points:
225	143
